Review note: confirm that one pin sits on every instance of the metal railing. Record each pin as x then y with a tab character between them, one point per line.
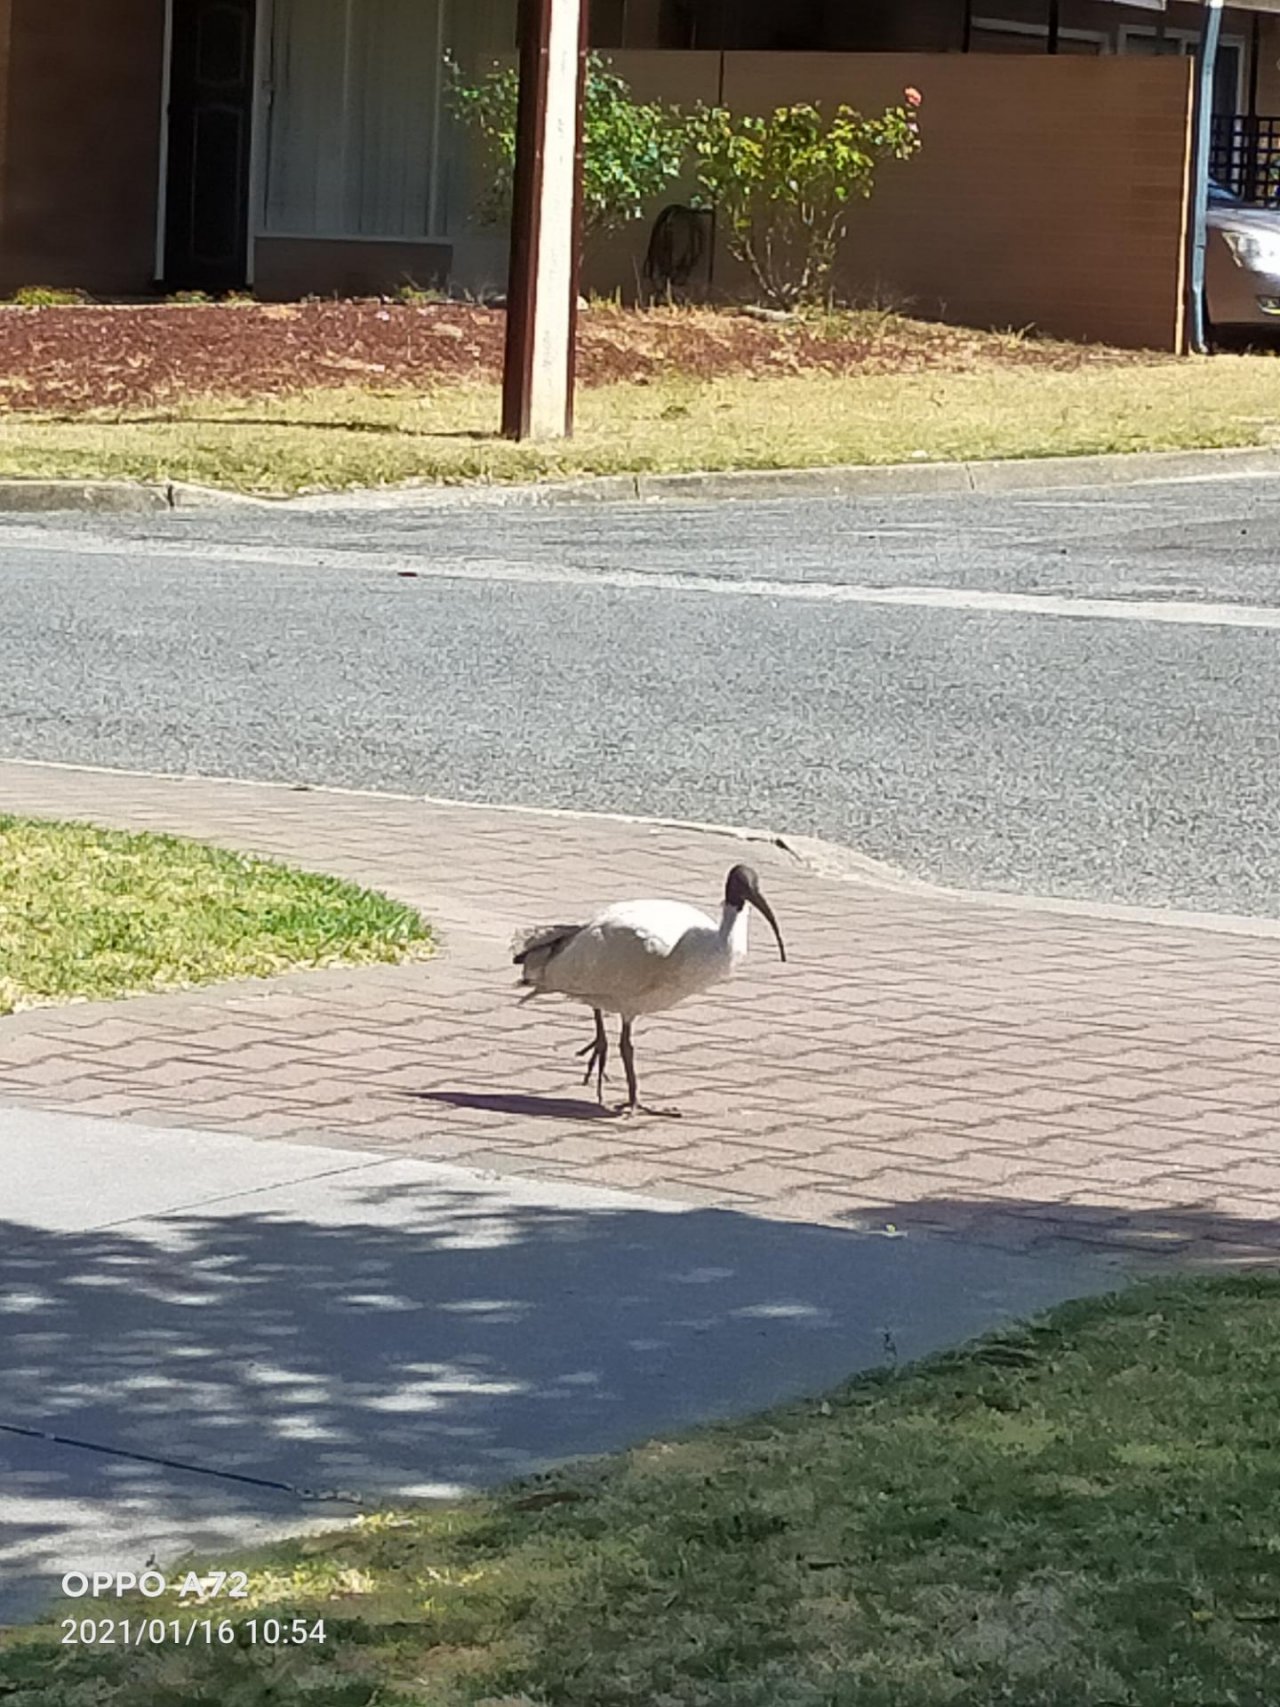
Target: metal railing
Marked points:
1244	156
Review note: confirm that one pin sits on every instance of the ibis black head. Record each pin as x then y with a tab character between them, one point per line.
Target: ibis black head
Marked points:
742	885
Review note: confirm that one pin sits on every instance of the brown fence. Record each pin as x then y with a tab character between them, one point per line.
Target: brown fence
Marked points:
1050	192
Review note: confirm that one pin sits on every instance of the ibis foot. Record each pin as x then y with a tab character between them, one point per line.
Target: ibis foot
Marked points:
598	1049
595	1068
633	1105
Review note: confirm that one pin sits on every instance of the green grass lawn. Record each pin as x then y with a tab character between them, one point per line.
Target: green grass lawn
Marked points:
97	913
332	439
1081	1513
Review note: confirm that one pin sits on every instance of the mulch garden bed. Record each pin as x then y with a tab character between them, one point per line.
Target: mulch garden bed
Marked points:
69	359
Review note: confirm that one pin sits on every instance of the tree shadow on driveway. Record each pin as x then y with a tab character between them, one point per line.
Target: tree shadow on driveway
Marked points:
397	1332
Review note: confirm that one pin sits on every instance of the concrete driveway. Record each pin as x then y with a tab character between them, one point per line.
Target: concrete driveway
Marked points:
206	1339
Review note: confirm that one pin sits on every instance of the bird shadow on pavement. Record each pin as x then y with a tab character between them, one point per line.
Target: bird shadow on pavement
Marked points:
514	1103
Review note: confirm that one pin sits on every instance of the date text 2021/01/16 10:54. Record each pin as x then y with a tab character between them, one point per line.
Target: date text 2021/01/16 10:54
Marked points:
191	1632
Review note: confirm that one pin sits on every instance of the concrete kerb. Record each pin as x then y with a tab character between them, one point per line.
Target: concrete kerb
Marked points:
814	854
892	480
116	497
821	858
90	497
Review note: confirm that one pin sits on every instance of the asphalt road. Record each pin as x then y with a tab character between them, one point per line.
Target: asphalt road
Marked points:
1071	693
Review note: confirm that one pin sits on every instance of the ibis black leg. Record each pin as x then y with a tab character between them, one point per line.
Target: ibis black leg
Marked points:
598	1049
633	1104
629	1064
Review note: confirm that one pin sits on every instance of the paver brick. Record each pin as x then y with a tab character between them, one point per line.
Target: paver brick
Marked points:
978	1066
714	1156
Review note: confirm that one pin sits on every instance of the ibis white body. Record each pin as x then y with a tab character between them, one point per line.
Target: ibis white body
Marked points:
640	957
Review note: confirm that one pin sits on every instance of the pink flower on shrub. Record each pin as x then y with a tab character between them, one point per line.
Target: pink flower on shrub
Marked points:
913	96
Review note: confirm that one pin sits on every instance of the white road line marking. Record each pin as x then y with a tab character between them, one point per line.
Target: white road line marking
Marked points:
1177	612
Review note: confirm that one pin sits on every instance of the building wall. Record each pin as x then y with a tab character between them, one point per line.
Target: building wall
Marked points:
887	26
1269	66
305	266
6	19
1051	195
81	93
774	26
1105	18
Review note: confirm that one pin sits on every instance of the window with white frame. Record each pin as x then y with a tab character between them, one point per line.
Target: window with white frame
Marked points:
352	120
1228	93
1005	35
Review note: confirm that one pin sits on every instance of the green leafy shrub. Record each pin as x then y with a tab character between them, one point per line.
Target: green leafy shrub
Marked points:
632	149
785	185
411	294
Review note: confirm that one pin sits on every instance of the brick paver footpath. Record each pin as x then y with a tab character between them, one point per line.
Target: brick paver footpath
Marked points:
924	1061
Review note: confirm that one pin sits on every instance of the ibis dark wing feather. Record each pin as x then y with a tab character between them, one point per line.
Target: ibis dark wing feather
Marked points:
551	938
534	950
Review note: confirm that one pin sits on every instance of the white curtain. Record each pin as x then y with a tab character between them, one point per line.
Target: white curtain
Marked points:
352	118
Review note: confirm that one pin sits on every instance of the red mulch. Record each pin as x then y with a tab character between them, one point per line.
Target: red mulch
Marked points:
71	359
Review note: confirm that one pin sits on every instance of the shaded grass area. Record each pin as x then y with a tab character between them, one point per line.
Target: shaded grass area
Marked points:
1078	1511
331	439
90	913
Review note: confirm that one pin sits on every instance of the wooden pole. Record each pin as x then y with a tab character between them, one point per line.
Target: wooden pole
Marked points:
542	287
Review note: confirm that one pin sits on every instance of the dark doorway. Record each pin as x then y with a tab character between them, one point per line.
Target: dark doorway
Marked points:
210	124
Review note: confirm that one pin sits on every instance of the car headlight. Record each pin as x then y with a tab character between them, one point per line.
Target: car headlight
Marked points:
1258	252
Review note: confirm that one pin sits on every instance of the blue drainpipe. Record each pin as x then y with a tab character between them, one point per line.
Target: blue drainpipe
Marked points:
1202	130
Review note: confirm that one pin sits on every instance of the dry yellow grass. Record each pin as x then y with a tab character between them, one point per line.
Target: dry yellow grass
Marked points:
343	438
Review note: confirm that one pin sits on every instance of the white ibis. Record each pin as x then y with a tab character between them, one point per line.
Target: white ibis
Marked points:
640	957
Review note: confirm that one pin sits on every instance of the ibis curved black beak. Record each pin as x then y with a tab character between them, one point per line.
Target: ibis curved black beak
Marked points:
761	906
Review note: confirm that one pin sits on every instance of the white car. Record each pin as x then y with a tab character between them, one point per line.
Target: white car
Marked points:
1241	264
